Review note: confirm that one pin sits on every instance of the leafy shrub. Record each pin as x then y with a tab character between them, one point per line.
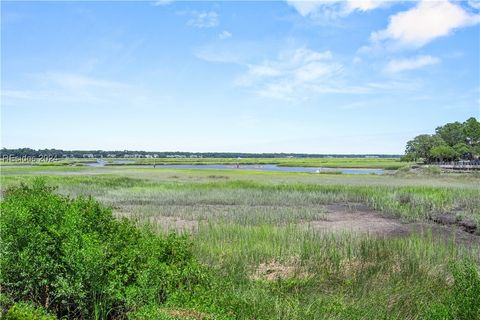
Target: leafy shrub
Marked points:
432	170
24	311
404	169
74	259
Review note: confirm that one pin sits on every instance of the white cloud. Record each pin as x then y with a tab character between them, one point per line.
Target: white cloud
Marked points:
264	71
410	64
204	19
335	8
299	73
315	70
62	89
425	22
365	5
305	7
291	73
303	55
474	4
225	35
162	2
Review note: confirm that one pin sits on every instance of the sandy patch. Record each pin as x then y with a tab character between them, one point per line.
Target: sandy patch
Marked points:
359	218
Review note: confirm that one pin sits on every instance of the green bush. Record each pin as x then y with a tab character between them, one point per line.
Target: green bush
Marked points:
74	259
432	170
24	311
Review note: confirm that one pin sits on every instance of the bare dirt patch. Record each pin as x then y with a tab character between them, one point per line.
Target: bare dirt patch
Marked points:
359	218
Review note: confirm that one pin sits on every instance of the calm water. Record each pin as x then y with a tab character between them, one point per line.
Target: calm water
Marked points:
272	167
259	167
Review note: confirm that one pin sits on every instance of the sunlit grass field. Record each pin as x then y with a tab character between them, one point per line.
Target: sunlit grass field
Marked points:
249	228
381	163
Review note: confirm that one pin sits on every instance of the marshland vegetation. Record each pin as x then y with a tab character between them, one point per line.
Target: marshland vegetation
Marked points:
265	245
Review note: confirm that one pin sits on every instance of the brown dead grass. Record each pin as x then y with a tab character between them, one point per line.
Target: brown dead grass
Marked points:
275	270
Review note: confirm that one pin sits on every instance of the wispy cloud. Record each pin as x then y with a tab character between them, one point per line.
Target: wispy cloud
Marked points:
224	35
71	89
162	2
299	73
290	73
410	64
335	8
204	19
423	23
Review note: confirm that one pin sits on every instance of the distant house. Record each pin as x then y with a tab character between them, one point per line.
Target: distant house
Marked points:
111	155
88	155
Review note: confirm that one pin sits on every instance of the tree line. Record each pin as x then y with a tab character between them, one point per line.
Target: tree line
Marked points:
59	153
450	142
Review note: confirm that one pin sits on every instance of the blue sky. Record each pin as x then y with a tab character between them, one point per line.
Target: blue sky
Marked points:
314	77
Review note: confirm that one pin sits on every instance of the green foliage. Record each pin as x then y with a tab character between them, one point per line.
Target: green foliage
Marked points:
251	228
420	146
463	150
432	170
450	141
73	258
462	301
25	311
452	133
471	129
442	153
409	157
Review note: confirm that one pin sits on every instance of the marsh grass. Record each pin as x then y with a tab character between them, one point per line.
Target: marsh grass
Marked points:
200	196
330	275
384	163
266	266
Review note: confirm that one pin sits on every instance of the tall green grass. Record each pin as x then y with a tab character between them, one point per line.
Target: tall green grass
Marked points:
261	262
310	275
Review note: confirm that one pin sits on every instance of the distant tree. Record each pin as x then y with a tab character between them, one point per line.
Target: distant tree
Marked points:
471	129
476	151
442	153
420	146
451	141
463	150
452	133
407	158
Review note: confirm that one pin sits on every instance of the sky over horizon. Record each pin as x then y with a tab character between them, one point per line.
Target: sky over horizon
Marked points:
278	76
